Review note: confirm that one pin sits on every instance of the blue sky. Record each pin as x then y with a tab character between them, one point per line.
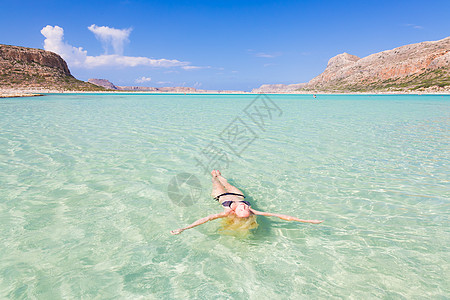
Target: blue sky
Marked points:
216	44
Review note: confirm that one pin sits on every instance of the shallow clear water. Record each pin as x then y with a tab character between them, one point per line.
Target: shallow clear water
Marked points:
85	210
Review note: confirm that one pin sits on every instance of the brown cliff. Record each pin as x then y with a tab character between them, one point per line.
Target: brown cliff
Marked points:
416	67
29	68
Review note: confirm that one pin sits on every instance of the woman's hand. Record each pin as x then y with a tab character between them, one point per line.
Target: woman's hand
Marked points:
315	221
176	231
201	221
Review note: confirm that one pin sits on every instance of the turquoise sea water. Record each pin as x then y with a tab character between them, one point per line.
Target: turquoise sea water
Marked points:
85	211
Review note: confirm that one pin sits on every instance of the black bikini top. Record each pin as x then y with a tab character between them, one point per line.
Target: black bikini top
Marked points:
228	203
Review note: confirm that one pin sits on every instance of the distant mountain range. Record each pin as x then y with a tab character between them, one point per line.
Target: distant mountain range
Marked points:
176	89
422	67
110	86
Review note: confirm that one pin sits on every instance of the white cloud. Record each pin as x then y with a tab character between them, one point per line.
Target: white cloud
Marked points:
130	61
188	68
54	42
77	57
111	37
143	79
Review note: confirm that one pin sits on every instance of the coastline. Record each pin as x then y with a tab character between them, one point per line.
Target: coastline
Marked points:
14	93
18	94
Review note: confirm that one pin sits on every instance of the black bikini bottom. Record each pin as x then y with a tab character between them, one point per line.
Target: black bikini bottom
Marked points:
228	203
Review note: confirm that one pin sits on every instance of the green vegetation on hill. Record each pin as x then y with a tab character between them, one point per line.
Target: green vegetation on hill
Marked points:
27	68
19	74
439	78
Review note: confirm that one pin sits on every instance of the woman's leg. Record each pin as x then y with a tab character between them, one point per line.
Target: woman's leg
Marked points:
217	187
230	188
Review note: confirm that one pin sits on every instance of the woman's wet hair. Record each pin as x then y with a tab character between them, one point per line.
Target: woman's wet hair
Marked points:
235	225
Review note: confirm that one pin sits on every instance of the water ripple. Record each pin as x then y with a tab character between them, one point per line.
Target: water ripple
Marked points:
84	211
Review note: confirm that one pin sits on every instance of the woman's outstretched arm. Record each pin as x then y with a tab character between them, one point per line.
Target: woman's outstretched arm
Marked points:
201	221
284	217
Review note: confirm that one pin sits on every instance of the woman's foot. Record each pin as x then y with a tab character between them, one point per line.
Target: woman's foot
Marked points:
217	187
230	188
214	174
222	180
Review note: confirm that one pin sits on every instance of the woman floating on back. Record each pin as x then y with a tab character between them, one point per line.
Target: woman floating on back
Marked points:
232	200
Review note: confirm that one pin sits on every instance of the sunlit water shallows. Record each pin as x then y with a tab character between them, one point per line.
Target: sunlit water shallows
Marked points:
85	210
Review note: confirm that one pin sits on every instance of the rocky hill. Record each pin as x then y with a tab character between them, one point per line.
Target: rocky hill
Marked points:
29	68
103	83
278	88
417	67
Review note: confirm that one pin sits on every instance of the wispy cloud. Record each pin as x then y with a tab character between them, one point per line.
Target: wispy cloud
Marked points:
267	55
413	26
264	54
130	61
78	57
171	72
188	68
111	37
143	79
